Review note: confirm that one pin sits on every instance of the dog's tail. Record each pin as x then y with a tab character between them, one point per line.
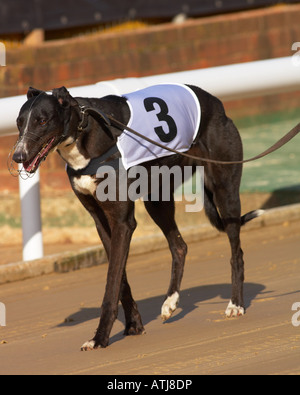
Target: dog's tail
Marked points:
250	216
214	216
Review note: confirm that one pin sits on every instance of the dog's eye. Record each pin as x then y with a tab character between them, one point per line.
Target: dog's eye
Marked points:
43	122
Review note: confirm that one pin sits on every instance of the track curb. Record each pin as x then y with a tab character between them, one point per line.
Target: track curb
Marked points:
94	256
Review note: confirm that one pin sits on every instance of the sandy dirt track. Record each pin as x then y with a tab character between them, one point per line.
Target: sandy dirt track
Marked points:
48	318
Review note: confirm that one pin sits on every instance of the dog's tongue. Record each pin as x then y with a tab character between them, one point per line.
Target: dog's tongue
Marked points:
33	164
30	166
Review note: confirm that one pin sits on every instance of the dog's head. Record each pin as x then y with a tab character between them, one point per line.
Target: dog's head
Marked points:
43	123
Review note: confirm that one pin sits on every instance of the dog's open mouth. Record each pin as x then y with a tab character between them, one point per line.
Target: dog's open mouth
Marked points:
32	165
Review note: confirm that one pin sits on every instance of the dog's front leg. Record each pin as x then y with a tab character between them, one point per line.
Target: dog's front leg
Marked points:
121	236
134	325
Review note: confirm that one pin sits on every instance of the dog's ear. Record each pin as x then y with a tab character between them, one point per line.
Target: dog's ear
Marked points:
64	98
32	92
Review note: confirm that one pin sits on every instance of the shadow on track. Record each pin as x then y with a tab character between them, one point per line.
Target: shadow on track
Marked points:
189	301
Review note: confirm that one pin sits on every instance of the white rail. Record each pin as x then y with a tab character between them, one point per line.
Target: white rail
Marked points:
227	82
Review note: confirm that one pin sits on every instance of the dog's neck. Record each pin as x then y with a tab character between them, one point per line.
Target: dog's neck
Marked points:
96	139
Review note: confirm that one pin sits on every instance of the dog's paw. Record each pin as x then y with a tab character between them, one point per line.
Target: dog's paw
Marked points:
88	346
133	330
169	306
234	311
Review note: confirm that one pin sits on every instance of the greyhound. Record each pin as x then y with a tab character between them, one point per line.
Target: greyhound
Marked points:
57	121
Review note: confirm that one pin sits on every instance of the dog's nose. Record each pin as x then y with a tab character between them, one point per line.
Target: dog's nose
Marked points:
18	156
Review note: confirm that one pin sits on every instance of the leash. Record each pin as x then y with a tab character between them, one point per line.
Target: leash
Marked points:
109	120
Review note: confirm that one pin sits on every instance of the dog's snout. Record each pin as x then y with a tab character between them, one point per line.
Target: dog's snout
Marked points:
19	155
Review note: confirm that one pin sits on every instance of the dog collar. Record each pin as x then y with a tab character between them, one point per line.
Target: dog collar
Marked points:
85	111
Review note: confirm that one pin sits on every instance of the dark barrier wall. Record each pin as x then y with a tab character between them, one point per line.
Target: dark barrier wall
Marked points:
19	16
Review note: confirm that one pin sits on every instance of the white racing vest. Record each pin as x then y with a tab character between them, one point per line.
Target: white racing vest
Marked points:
169	114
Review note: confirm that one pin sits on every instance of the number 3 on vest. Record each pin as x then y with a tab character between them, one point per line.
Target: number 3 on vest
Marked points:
162	116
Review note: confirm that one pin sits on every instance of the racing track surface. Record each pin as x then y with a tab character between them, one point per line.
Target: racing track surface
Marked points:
48	318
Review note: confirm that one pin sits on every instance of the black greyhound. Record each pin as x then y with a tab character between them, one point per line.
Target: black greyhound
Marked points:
56	121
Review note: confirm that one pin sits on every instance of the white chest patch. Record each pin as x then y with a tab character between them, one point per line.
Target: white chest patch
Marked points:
72	156
85	185
169	114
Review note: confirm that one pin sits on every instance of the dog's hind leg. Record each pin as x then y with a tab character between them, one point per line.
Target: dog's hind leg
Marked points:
163	214
229	206
236	305
222	198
